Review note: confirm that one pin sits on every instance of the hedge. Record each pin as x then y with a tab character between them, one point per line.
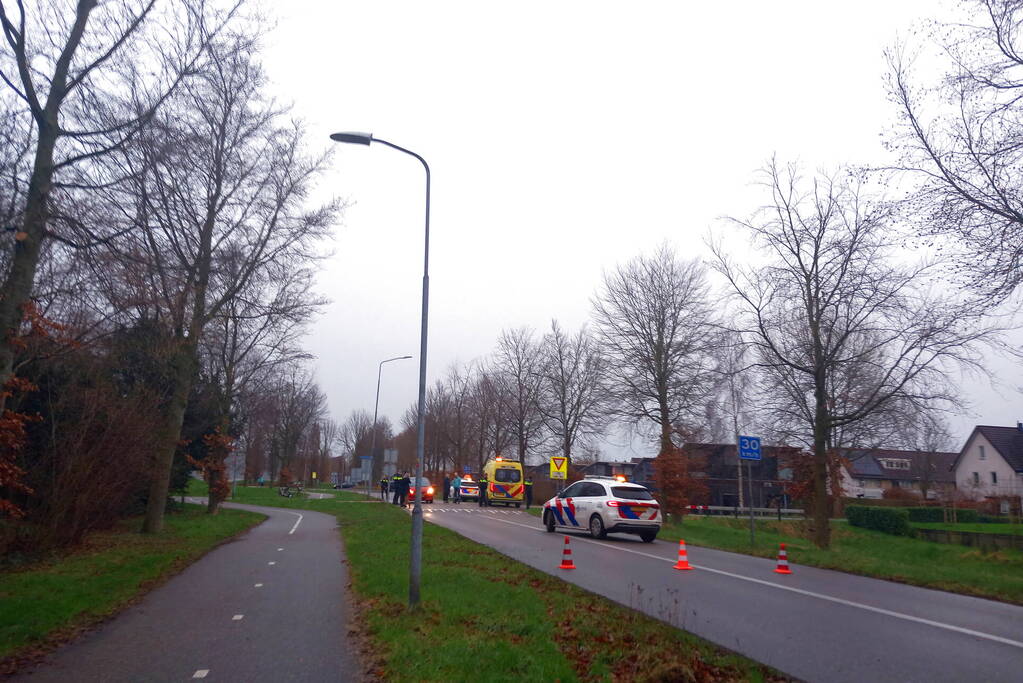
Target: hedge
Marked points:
893	521
965	515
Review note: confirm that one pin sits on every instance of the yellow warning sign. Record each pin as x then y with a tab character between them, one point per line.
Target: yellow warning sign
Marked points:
314	475
559	468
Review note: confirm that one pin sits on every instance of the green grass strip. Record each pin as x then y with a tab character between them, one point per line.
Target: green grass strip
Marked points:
954	568
484	616
50	600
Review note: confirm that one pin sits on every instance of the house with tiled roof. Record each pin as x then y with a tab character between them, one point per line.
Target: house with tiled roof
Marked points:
990	465
872	471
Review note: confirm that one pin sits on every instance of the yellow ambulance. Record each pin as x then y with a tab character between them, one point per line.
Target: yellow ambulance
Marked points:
505	482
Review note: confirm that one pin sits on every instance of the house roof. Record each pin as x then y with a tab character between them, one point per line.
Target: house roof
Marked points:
871	463
1008	441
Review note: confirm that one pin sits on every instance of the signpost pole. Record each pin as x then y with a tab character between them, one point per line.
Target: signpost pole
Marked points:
749	450
752	526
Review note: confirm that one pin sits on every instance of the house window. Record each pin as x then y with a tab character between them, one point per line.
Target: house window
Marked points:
976	478
982	456
894	463
994	477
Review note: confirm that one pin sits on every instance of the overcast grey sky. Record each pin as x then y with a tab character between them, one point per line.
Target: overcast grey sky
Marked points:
564	137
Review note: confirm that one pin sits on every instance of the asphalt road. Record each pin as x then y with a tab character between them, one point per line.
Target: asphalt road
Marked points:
268	606
815	624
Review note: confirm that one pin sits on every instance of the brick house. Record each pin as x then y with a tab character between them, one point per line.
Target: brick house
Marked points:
872	471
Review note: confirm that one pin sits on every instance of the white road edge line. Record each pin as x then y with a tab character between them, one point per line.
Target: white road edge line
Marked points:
820	596
297	522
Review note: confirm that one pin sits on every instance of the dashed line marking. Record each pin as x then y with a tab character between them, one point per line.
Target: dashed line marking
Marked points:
280	549
259	585
201	673
812	594
271	563
238	617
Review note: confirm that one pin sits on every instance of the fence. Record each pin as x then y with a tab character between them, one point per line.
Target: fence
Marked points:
973	539
725	511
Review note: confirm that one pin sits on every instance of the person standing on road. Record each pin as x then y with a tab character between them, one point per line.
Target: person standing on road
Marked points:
447	485
529	491
482	481
456	490
395	488
406	486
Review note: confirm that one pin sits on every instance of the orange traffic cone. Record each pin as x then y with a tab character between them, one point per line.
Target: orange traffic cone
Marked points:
683	559
566	557
783	561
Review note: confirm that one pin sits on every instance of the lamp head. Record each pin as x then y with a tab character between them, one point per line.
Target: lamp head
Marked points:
353	138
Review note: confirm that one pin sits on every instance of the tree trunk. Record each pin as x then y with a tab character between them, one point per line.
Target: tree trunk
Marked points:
821	508
17	288
184	366
666	444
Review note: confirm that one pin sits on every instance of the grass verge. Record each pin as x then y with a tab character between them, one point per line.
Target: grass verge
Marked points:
48	603
1013	529
485	616
958	569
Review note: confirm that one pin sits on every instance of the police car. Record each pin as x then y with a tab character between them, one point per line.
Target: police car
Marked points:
603	505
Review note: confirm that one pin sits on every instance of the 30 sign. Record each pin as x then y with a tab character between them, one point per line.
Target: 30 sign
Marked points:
749	447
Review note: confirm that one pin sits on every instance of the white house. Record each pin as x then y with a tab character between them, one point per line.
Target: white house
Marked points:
991	462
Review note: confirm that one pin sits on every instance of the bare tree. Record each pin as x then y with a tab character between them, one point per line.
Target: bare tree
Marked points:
656	326
89	75
832	301
491	432
573	397
516	367
217	191
960	140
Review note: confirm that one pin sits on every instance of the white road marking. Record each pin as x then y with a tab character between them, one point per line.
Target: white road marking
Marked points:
201	673
259	585
280	549
271	563
800	591
297	522
238	617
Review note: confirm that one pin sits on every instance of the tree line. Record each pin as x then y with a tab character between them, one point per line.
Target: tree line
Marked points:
158	269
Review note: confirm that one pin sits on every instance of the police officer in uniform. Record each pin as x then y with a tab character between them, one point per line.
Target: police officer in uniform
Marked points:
395	488
483	490
529	491
383	489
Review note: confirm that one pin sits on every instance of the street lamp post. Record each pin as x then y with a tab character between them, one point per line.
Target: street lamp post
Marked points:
416	560
376	406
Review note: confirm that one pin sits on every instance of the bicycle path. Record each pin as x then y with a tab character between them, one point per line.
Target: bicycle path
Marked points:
268	606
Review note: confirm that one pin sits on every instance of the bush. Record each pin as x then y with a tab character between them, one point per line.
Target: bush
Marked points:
964	516
893	521
990	519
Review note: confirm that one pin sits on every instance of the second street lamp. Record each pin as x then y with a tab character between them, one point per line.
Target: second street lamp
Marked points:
416	559
376	406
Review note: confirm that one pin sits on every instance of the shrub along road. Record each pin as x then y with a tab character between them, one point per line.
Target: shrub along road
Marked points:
269	606
815	624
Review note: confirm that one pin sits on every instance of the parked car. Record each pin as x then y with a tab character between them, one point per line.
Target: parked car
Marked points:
603	505
427	490
470	490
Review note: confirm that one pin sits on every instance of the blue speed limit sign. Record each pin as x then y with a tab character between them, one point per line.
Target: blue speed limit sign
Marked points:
749	447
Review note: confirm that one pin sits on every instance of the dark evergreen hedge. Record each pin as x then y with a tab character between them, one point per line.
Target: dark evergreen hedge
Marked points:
893	521
965	516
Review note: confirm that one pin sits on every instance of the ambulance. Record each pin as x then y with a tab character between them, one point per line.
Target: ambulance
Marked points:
505	482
